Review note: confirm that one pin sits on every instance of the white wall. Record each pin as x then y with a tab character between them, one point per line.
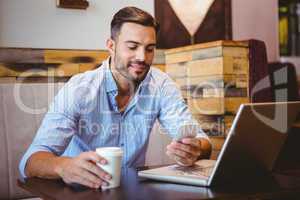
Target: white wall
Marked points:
257	19
39	24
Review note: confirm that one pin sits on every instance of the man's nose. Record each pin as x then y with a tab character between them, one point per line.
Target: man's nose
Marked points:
140	55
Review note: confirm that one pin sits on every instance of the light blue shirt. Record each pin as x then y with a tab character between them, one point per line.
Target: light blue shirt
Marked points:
84	116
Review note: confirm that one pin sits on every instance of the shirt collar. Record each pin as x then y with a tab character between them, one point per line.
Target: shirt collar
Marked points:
110	85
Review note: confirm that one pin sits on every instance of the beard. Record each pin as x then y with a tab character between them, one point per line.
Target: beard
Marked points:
134	71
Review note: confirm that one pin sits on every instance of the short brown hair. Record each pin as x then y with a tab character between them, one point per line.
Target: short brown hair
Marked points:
134	15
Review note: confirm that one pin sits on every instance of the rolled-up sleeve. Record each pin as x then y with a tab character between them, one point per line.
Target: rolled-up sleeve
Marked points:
174	112
57	128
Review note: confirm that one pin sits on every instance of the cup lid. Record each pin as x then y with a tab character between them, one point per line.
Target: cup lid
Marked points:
109	151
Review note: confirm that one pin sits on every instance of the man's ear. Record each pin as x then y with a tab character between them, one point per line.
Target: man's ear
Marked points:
110	45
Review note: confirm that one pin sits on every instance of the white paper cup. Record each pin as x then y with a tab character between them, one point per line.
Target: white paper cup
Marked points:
113	155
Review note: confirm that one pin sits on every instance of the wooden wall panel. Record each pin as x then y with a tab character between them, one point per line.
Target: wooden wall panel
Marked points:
55	63
15	55
74	56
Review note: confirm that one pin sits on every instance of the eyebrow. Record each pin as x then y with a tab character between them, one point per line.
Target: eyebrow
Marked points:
134	42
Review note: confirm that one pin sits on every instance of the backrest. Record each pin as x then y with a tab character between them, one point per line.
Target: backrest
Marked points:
270	77
18	127
283	79
259	82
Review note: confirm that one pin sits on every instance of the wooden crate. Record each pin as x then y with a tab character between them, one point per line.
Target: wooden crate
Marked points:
214	79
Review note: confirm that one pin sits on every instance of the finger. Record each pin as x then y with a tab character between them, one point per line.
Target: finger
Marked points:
179	153
187	148
192	141
93	168
170	154
83	173
180	160
83	181
183	162
93	156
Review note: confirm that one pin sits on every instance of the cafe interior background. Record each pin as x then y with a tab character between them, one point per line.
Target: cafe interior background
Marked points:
44	43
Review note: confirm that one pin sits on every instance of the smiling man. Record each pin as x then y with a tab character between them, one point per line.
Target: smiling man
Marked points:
113	105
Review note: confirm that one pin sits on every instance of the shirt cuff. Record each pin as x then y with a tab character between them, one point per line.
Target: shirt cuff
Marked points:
25	158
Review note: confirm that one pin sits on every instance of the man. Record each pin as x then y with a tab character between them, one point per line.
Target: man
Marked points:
114	105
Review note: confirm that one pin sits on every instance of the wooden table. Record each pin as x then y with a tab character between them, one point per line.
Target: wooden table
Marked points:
133	187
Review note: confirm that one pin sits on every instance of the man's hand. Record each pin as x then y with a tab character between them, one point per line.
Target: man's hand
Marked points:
188	150
83	170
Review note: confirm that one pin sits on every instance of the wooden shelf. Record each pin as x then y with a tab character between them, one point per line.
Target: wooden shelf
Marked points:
73	4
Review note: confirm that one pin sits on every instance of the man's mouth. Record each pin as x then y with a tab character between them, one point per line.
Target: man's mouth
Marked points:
138	67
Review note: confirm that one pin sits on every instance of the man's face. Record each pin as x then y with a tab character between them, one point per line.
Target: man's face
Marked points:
133	51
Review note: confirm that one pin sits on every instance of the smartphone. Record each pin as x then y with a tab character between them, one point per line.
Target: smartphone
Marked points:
187	131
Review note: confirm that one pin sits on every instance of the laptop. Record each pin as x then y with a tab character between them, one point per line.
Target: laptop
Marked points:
257	135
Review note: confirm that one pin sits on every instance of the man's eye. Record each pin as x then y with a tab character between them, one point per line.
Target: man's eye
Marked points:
150	49
132	47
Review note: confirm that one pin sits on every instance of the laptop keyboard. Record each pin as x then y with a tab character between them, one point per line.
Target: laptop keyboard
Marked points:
201	168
